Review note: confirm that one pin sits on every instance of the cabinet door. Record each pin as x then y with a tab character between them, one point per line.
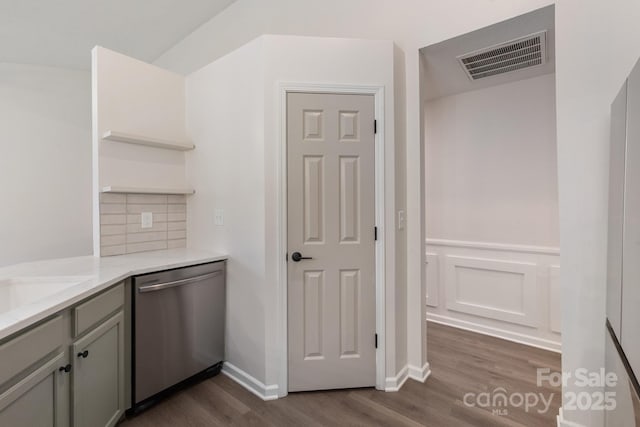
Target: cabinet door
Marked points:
39	400
98	375
631	237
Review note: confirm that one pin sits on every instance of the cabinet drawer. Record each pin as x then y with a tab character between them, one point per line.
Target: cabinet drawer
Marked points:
90	313
21	352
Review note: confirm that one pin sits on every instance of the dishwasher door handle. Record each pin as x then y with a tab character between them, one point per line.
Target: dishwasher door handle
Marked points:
161	286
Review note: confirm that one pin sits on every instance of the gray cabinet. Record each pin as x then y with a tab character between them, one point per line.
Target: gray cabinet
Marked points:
47	379
41	399
98	375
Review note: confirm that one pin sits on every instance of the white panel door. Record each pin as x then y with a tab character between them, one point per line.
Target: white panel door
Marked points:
331	291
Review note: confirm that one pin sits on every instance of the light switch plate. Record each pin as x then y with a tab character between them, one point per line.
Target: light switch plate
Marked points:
218	217
401	220
146	219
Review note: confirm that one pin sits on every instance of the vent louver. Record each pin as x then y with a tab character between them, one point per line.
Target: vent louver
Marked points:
525	52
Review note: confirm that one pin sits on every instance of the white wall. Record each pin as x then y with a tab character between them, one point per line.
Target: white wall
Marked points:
132	97
585	90
491	169
225	117
234	119
492	211
45	163
411	24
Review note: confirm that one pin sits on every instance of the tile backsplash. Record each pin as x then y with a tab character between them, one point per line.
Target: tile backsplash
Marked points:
121	230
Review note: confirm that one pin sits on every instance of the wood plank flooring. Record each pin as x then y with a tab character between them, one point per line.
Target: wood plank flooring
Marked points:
461	362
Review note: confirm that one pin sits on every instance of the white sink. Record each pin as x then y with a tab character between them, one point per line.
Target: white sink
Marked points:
17	292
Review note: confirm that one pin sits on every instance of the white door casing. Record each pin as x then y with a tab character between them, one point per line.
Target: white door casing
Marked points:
331	219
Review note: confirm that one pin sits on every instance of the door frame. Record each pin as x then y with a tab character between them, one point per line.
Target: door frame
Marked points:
284	88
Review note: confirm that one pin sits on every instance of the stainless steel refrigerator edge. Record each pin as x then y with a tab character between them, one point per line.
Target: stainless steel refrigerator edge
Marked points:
178	326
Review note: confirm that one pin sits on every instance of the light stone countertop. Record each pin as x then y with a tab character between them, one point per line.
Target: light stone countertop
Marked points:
95	274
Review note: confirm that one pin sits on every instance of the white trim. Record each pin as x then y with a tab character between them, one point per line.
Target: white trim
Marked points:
379	104
147	190
396	383
549	345
525	314
564	423
547	250
419	374
264	392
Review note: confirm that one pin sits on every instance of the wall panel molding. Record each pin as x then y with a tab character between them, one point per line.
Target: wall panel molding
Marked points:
432	276
549	250
507	291
501	290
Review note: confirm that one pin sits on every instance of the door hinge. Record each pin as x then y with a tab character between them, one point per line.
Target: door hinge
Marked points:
375	233
376	340
375	126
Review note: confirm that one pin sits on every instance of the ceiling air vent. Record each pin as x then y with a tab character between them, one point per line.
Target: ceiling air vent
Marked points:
525	52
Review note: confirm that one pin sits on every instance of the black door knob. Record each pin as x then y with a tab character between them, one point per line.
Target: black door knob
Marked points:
66	368
84	354
297	256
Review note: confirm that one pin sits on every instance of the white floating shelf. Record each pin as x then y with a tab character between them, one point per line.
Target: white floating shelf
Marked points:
144	140
142	190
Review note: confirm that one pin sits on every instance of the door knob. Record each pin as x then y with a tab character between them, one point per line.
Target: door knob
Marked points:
66	368
84	354
297	256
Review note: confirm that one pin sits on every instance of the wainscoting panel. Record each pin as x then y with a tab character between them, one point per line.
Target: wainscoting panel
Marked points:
554	298
502	290
432	272
508	291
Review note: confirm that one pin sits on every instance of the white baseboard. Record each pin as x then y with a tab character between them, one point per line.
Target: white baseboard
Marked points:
408	371
395	383
263	391
494	332
564	423
419	374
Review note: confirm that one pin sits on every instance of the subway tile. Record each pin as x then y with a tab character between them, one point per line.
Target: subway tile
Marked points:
172	226
177	208
176	198
146	199
146	246
113	219
172	244
118	239
146	208
137	219
112	198
110	230
113	250
179	234
177	217
137	228
120	223
153	236
106	208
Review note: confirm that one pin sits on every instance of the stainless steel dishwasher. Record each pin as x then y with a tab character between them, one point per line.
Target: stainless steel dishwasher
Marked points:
178	329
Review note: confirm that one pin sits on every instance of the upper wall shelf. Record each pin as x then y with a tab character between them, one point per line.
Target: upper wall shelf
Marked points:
111	135
147	190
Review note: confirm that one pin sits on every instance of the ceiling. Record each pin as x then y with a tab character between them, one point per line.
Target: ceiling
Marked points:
444	75
61	33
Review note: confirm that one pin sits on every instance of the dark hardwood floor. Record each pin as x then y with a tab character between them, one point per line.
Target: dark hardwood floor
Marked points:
461	362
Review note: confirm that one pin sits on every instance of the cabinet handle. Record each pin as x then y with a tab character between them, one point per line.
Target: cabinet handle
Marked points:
84	354
66	368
